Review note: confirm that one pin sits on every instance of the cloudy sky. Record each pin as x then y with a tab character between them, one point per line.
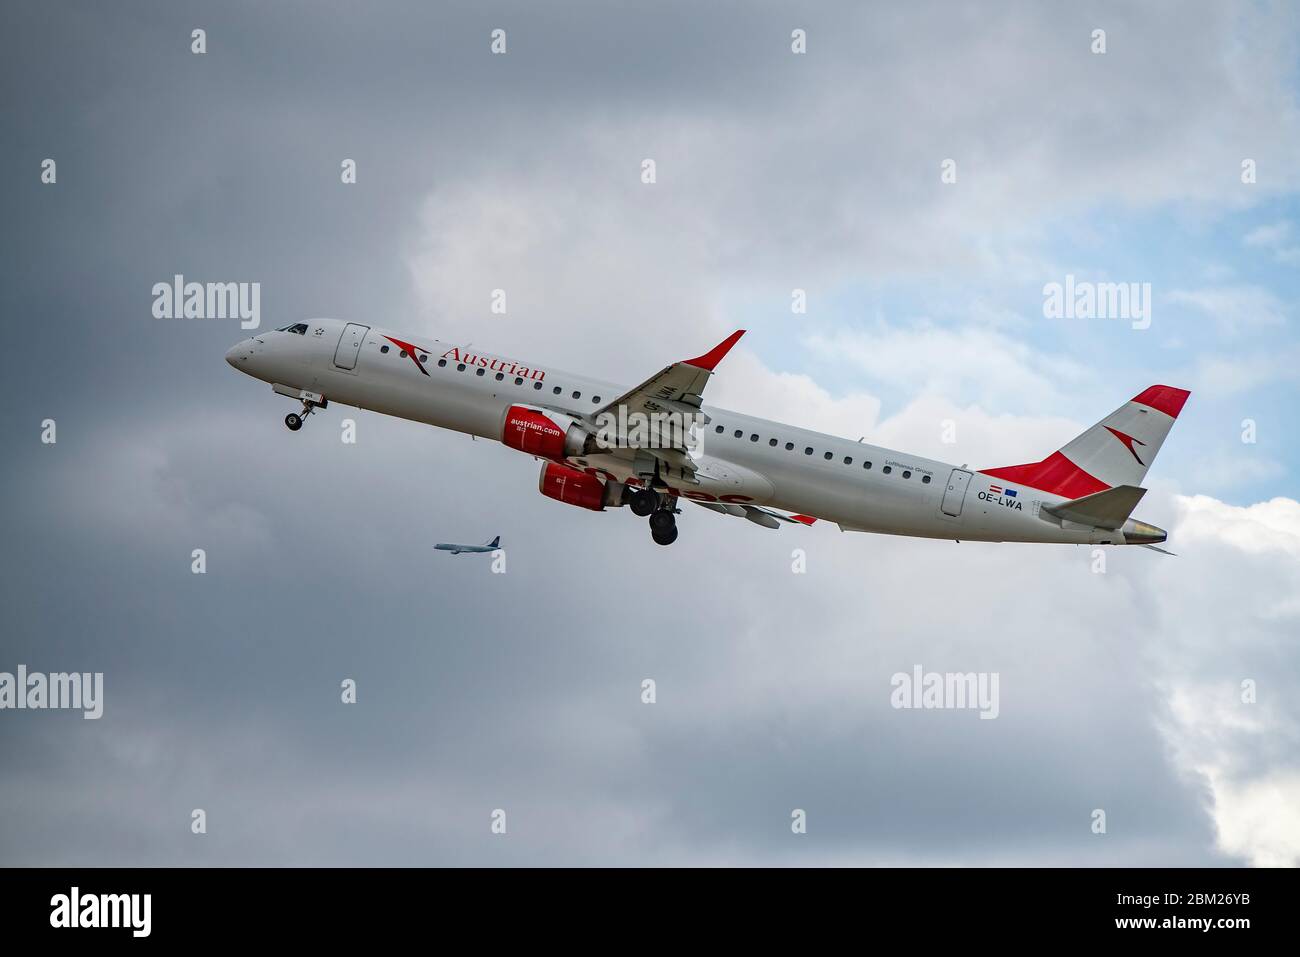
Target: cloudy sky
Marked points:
1119	690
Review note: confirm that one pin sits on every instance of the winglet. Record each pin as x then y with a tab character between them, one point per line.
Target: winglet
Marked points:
711	358
803	519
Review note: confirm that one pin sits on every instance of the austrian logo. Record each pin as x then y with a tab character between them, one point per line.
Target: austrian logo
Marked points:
1128	442
493	364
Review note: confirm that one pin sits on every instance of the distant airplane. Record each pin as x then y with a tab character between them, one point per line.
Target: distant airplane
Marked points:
491	546
596	452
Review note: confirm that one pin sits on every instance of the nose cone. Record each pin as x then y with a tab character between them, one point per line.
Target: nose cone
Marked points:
239	354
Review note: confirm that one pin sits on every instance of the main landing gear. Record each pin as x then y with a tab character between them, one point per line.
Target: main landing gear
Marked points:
659	507
643	501
663	526
655	500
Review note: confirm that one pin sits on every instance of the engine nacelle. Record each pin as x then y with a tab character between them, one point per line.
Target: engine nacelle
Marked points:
541	432
578	488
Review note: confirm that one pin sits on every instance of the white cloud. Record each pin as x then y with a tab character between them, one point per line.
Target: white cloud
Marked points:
1227	616
1268	236
1276	238
1234	309
1227	374
749	386
1263	527
1258	819
1224	470
983	364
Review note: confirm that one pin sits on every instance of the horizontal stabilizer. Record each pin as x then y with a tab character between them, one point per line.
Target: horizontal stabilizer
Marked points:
1108	509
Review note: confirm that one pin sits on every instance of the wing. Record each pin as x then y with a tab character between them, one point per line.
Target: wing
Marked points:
676	390
678	387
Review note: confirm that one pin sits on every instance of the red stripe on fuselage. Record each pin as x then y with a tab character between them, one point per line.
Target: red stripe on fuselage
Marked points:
1055	474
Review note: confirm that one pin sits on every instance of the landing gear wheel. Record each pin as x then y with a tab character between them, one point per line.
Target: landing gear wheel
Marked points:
665	536
662	520
643	502
294	421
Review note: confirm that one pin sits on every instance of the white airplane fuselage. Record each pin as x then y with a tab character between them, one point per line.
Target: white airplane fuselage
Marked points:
743	460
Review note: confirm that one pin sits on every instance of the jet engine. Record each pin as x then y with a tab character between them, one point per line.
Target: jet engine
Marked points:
579	488
542	432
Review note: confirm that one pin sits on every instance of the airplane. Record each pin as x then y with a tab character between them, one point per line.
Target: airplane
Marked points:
491	546
666	447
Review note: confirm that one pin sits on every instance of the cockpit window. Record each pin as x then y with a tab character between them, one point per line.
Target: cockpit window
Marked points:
298	329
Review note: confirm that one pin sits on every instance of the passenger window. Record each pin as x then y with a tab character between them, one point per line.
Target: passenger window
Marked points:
718	430
906	474
754	437
441	362
772	442
808	451
848	460
459	368
557	390
500	376
383	348
925	480
866	465
887	469
518	381
595	398
537	386
829	456
403	353
739	433
479	372
789	446
577	394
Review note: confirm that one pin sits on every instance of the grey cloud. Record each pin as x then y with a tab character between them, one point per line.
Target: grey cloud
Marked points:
521	691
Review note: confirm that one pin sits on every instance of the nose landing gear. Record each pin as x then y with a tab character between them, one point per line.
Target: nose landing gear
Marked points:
295	420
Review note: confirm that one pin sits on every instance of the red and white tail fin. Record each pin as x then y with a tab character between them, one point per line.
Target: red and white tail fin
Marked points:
1118	450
